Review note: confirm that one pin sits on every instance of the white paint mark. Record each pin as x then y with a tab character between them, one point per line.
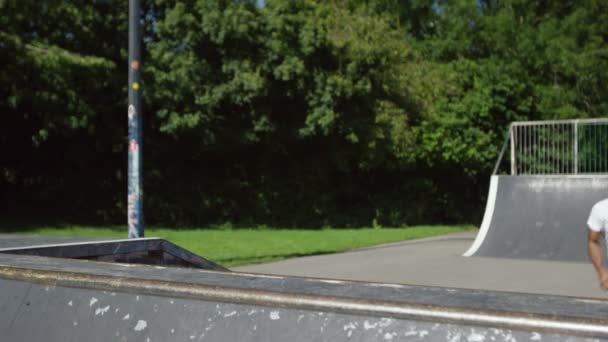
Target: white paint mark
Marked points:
475	337
93	301
367	325
171	301
173	331
113	294
148	339
70	303
274	315
255	327
75	323
300	318
455	338
411	333
230	314
350	333
535	336
125	265
141	325
385	322
137	298
127	316
47	289
508	337
389	336
423	333
192	337
102	311
252	312
116	310
350	326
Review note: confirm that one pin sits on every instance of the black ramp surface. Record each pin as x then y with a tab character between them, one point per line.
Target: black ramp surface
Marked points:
538	217
150	251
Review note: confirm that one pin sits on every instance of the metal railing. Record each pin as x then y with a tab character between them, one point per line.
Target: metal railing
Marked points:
557	147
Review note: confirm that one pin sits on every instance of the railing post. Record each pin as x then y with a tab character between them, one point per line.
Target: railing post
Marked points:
513	164
575	147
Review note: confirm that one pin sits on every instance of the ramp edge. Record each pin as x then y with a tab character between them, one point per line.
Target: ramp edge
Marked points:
564	325
72	244
487	218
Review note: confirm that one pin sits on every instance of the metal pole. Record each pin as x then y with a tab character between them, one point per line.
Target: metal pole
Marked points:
562	155
546	168
575	147
536	149
560	149
513	163
545	164
595	150
528	152
135	214
554	148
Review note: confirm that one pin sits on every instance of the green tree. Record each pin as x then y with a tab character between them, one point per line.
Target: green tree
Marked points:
60	91
293	98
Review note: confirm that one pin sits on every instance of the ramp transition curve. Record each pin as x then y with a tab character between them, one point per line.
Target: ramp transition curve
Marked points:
538	217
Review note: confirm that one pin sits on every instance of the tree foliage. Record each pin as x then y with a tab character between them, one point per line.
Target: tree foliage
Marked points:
308	112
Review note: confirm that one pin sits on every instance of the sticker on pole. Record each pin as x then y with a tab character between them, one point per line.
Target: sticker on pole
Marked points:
131	112
133	146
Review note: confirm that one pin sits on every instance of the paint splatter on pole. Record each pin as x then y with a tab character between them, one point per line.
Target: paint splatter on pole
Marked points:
135	213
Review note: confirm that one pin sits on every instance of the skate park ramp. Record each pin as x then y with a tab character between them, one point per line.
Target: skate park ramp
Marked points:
538	217
55	298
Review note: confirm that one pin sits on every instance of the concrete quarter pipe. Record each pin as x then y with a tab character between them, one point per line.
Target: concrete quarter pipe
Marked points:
538	217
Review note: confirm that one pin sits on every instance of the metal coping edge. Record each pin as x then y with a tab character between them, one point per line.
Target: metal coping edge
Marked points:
83	243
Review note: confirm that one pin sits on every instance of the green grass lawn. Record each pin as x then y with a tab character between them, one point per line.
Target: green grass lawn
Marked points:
231	247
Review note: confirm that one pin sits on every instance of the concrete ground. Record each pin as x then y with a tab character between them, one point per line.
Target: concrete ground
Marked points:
438	262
